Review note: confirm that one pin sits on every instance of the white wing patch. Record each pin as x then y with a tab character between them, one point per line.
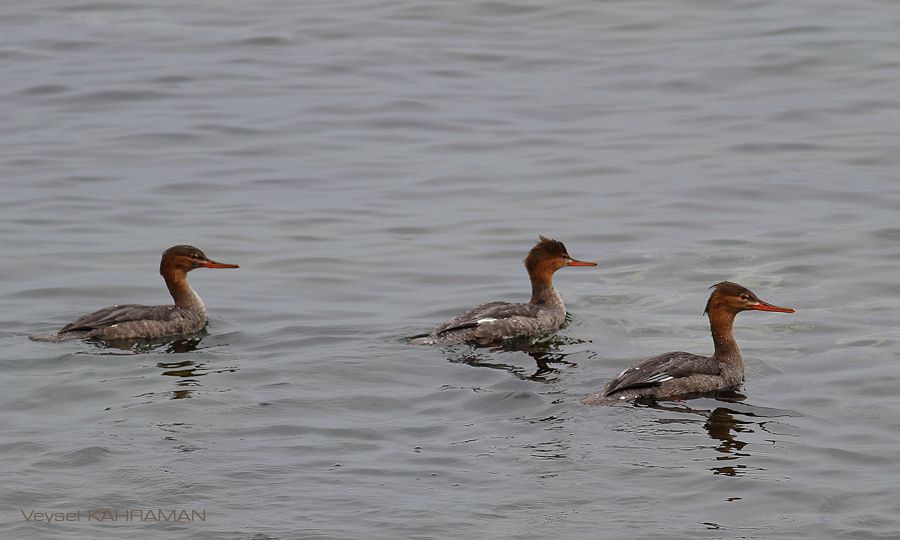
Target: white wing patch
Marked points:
659	377
485	320
629	370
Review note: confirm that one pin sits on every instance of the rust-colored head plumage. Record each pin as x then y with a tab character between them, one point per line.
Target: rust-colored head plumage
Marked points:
551	255
546	248
185	258
735	298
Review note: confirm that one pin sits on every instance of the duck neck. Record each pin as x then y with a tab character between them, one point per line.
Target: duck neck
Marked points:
182	293
542	291
727	351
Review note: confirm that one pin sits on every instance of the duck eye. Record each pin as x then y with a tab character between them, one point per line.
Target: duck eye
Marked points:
744	297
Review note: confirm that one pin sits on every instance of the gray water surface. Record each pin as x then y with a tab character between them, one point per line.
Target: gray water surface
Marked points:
378	166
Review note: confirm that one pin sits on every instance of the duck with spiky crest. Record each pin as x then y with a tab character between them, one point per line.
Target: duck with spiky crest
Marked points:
490	323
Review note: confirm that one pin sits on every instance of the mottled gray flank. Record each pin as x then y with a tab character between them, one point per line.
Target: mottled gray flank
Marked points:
132	321
672	375
495	321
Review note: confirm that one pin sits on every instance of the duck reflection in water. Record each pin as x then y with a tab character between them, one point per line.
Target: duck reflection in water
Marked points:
187	372
725	427
163	345
547	353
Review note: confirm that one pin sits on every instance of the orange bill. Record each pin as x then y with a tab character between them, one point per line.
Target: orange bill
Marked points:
209	263
573	262
765	306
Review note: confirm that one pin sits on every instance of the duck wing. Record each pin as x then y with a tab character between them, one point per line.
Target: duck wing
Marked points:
492	317
117	314
659	369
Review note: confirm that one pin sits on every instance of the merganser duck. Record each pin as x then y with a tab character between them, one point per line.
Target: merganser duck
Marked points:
492	322
680	375
133	321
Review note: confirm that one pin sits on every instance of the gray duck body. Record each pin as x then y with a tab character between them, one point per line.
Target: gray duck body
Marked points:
495	321
135	321
672	376
680	375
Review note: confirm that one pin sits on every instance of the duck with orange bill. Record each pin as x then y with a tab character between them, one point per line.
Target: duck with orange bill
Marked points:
134	321
681	375
492	322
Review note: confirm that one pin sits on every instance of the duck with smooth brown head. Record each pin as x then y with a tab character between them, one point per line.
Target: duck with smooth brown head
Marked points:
680	375
134	321
492	322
